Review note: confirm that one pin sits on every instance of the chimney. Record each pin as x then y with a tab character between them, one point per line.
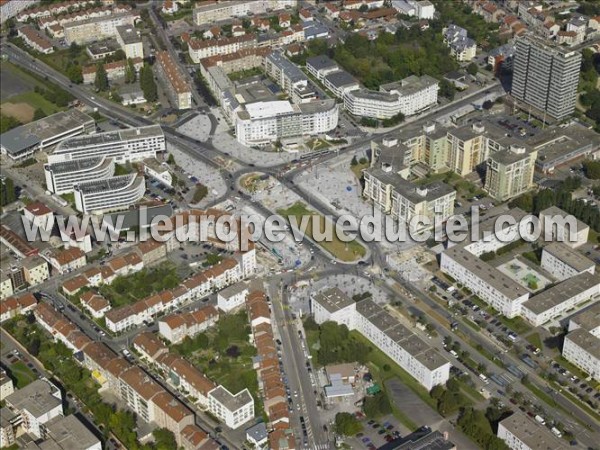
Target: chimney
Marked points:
478	127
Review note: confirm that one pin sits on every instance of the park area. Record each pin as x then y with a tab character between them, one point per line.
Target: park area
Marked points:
224	354
524	275
343	251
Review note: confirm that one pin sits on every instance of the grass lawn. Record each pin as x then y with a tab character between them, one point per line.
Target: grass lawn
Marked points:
240	75
22	374
344	251
317	144
60	59
472	324
535	340
36	101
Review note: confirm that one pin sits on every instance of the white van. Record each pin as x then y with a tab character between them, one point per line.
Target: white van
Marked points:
453	353
483	378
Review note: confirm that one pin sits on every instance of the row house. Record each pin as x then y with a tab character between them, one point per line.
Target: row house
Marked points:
92	13
17	305
199	49
114	70
53	9
177	327
95	304
187	378
66	260
149	346
34	39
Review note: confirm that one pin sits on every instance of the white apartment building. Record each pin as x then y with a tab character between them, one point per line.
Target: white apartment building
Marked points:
563	227
233	410
407	350
340	82
159	171
175	328
485	281
582	344
562	262
61	177
261	123
213	11
557	300
232	297
588	319
130	145
462	47
424	9
521	432
37	403
320	66
35	39
130	41
68	432
10	8
110	194
199	49
98	28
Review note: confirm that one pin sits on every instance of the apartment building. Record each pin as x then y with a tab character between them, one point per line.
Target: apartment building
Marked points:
22	142
546	77
36	40
159	171
488	283
412	354
95	304
289	77
37	403
466	148
130	41
97	28
130	145
214	11
187	378
232	410
11	8
111	194
462	47
557	300
68	432
178	89
509	173
563	227
65	260
562	262
199	49
261	123
521	432
176	327
320	66
582	344
62	177
39	215
340	82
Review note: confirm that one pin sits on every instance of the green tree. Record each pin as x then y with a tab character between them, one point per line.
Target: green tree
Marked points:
130	74
8	123
164	439
346	424
377	406
74	50
101	81
354	161
472	69
7	192
74	73
591	169
148	84
171	160
447	89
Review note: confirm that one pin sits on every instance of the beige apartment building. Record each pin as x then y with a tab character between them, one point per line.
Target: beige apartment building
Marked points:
510	172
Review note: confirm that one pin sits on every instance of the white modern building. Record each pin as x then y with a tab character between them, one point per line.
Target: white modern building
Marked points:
37	403
10	8
215	11
582	345
97	28
159	171
521	432
68	432
262	123
407	350
557	300
130	145
232	410
319	66
110	194
562	262
61	177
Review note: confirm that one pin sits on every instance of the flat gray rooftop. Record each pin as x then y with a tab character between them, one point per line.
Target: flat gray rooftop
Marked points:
561	292
332	299
588	319
69	433
341	78
230	401
77	165
412	192
375	95
569	256
586	340
37	398
410	85
532	434
129	34
27	136
321	62
108	137
102	47
108	184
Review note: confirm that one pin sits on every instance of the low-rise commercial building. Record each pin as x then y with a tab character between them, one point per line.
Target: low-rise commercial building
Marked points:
22	142
110	194
176	85
130	145
562	262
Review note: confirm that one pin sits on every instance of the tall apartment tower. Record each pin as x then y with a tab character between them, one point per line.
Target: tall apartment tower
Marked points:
546	76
